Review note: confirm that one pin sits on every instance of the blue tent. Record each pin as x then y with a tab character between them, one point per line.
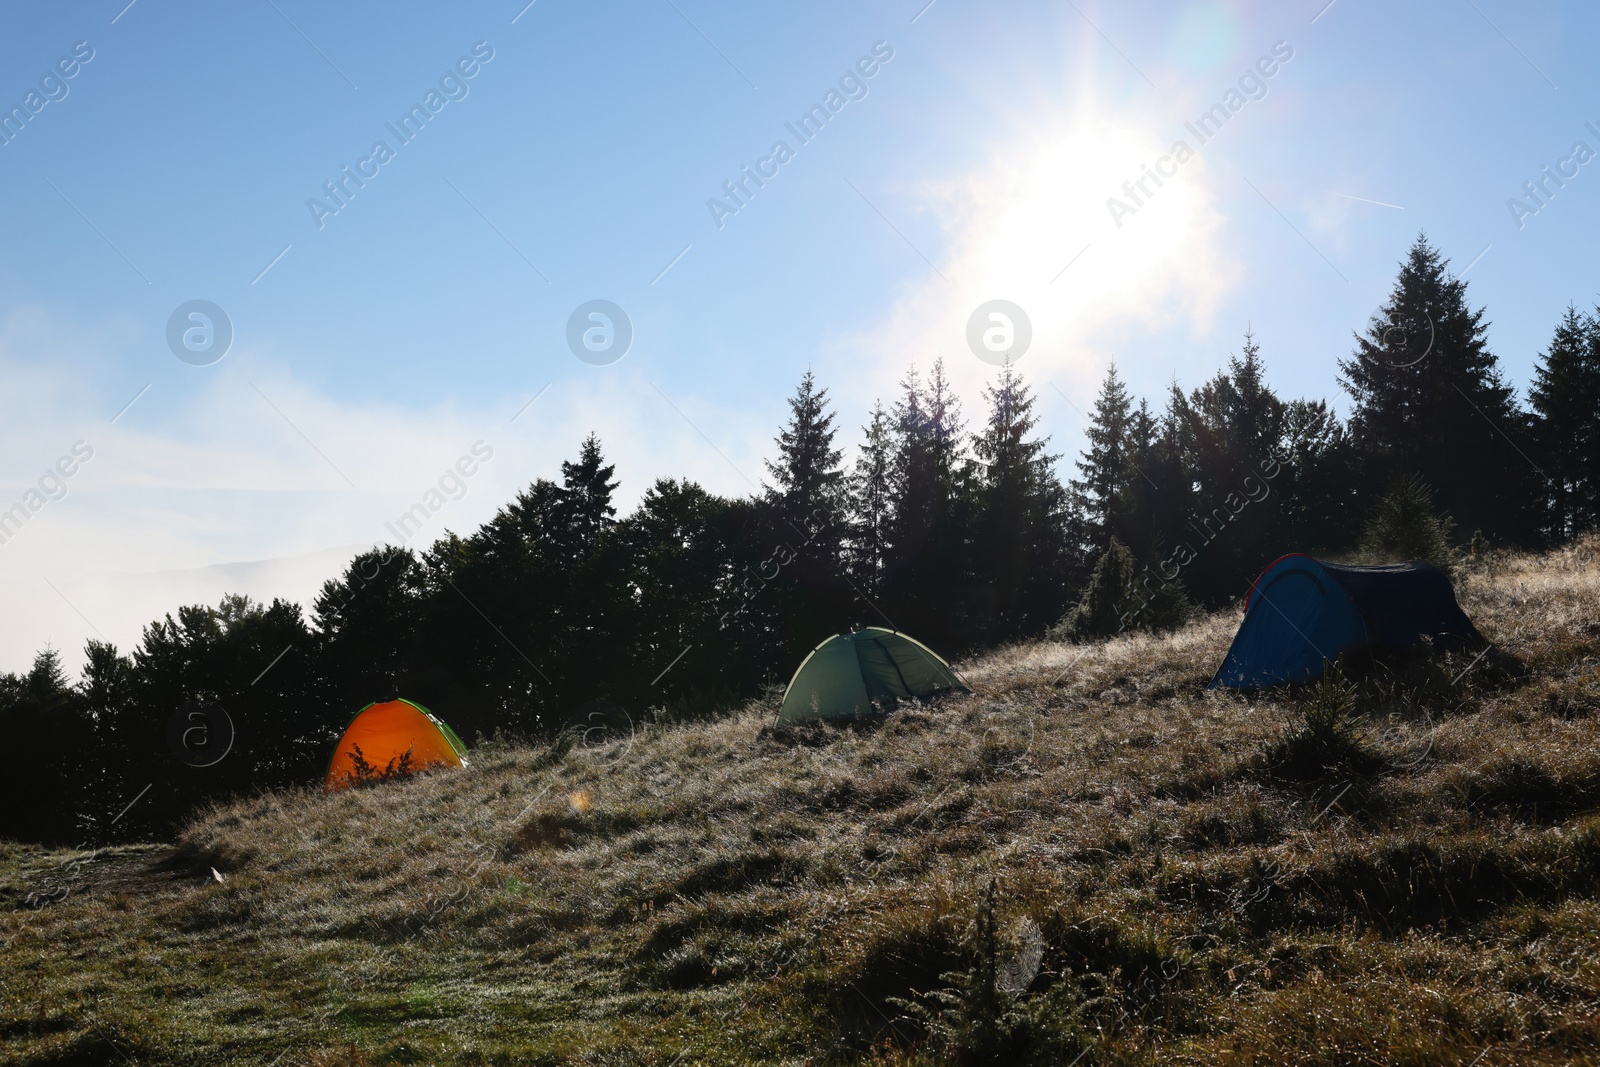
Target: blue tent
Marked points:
1302	613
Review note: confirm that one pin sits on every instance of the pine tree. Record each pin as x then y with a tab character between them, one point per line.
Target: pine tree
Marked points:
1565	397
1235	425
1428	398
41	715
807	496
1018	543
802	526
1255	412
586	493
1122	596
1403	526
1315	486
870	498
1104	462
925	548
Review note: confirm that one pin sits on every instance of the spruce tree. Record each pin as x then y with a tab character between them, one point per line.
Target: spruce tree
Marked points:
870	498
1018	542
808	492
366	623
913	491
1122	596
1404	526
945	424
1160	494
107	699
586	494
1315	487
595	596
1565	397
925	549
1235	424
1428	398
802	525
1142	499
1104	462
1255	413
42	793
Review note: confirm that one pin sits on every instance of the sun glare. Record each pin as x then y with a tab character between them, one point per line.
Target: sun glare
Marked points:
1037	226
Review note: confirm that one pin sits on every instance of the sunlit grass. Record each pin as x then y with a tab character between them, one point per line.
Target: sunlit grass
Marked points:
1406	873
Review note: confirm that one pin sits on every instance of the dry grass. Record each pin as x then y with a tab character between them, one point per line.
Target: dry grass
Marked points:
1172	887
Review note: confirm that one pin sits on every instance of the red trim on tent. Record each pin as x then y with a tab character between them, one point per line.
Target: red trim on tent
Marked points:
1249	597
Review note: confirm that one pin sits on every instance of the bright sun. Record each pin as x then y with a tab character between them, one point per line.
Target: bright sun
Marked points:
1046	205
1033	226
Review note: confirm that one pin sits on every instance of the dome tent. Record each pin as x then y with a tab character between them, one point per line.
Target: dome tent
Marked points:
1302	613
853	675
385	737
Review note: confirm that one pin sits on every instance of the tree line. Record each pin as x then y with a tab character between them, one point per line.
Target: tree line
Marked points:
558	614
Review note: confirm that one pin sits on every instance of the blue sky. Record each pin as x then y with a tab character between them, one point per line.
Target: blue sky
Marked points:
577	163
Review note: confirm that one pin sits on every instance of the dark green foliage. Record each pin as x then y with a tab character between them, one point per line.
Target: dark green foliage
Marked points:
1235	427
802	528
870	501
1403	526
926	554
1123	596
1428	398
1316	488
1565	397
1225	480
1329	741
1019	551
1115	437
983	1015
49	729
967	1021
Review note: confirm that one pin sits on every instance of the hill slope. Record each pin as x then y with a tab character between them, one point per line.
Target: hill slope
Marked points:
1403	872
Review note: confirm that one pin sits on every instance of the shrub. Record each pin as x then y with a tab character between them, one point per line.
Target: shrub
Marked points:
1403	526
1328	739
1121	596
981	1016
363	773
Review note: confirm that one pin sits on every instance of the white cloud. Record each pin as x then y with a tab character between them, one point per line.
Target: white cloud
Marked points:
188	484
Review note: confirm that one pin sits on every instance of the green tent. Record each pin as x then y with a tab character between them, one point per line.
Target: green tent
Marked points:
857	674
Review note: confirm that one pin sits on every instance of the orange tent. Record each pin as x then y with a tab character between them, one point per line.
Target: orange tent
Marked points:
392	738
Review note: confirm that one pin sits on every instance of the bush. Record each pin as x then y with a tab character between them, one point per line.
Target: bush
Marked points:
364	774
1403	526
1329	740
982	1016
1123	596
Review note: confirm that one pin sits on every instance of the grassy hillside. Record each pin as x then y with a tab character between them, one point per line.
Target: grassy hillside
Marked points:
1404	871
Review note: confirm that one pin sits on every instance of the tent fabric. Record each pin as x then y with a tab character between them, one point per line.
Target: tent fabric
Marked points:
1302	613
855	674
385	732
